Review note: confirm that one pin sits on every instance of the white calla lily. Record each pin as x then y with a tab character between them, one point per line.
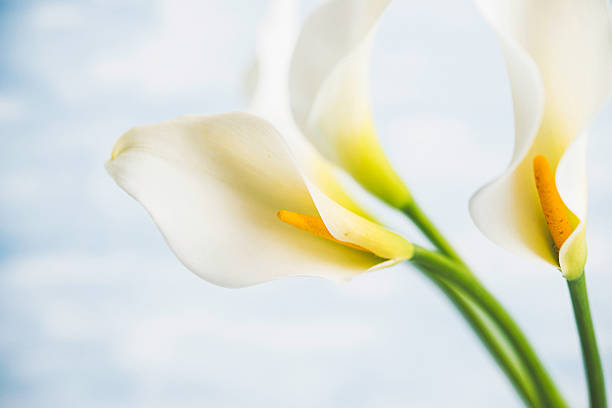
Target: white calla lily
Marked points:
559	59
329	93
219	188
268	94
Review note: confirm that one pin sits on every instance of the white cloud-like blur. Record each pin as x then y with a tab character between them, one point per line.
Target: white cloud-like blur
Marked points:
96	311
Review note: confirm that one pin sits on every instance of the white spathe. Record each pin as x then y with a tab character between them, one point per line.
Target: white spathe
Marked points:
329	93
559	59
267	89
214	184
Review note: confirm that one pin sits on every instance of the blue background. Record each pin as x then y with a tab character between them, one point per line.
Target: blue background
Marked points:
96	311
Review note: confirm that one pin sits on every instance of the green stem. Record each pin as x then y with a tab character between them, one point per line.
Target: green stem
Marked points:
546	389
414	212
590	353
457	274
477	319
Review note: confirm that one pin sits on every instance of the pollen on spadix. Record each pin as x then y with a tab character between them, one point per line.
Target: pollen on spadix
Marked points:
552	205
314	225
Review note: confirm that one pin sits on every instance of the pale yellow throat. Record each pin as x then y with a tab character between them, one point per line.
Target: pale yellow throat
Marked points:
552	205
314	225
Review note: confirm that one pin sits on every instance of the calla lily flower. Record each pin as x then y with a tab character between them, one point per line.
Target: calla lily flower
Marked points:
559	59
236	208
268	94
329	95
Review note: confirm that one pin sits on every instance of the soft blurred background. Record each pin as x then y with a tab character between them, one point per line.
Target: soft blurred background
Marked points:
95	310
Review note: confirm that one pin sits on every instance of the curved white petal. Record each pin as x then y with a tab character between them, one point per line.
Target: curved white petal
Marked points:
349	227
268	76
507	215
268	92
572	184
559	59
332	33
330	93
214	184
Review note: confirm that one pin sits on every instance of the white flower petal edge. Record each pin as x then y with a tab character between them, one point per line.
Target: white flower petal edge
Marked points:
559	59
572	185
329	92
214	184
269	97
268	94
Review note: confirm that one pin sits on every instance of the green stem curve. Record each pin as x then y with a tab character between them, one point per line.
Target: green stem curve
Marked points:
476	318
422	221
459	276
588	342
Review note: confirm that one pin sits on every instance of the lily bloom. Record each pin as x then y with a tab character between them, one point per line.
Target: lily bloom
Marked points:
329	93
268	93
235	207
240	204
559	60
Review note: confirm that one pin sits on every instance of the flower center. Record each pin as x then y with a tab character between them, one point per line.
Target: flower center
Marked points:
314	225
551	202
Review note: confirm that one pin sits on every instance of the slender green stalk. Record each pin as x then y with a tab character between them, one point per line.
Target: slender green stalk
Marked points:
420	219
503	355
455	273
590	352
541	378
